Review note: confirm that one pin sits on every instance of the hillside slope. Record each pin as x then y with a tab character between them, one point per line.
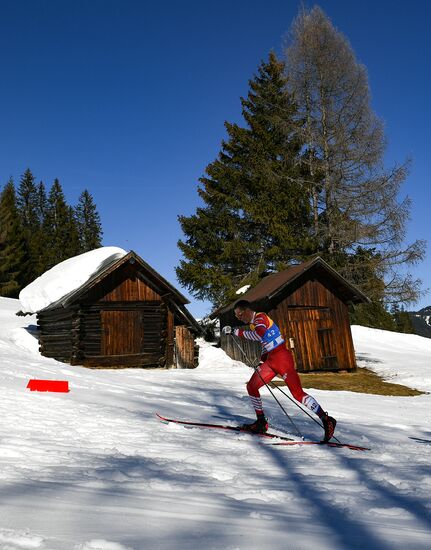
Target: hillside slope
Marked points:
94	468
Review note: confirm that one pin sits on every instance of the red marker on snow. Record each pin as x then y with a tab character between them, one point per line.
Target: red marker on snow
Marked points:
49	385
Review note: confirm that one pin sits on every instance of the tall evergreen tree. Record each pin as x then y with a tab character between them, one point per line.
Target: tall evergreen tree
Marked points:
41	203
27	202
88	222
256	216
59	228
74	244
402	319
354	197
13	251
374	315
40	257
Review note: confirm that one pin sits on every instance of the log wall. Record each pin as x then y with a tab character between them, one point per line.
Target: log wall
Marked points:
119	322
56	333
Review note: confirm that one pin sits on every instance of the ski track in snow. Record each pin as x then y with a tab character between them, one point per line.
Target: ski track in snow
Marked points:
94	469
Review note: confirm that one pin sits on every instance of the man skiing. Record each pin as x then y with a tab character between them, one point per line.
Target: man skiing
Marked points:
276	359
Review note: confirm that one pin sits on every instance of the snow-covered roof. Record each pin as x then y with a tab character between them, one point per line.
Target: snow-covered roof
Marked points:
66	277
243	289
65	283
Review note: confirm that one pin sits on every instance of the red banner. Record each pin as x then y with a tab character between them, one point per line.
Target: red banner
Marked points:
49	385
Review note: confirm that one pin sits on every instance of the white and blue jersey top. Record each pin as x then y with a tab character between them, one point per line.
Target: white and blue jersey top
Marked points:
264	330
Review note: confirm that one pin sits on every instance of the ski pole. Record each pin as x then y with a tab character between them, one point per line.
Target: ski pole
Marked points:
300	408
269	389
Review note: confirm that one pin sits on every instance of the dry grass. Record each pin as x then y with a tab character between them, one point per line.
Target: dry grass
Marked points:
361	381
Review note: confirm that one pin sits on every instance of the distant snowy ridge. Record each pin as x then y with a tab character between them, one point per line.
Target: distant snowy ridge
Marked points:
421	321
66	277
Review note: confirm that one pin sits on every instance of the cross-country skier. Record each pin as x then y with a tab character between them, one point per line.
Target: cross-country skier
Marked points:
276	359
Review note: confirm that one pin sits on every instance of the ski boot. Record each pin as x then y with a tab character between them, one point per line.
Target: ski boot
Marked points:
329	424
259	426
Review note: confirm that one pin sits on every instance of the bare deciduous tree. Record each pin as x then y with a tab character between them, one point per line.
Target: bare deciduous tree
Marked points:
355	199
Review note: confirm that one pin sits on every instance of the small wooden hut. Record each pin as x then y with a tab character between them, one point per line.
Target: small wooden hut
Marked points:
309	302
126	315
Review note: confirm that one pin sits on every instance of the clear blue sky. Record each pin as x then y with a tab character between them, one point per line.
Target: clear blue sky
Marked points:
128	99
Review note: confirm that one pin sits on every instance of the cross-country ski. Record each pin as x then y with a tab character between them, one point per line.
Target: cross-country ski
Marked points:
324	444
226	427
239	429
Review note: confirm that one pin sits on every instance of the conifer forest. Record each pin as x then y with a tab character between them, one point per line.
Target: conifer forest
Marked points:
39	229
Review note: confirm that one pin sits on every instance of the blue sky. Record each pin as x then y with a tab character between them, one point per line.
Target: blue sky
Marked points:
129	98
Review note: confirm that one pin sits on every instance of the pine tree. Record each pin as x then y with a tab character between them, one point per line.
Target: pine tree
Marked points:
256	215
88	222
355	200
41	203
41	253
74	244
60	229
402	319
27	202
373	315
14	257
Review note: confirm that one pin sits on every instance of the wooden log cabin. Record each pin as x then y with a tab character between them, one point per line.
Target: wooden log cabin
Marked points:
309	302
126	315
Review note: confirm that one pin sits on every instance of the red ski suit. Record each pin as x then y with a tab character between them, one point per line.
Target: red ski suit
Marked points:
277	359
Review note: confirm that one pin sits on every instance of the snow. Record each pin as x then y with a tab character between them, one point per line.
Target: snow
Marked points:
404	358
66	277
243	289
94	468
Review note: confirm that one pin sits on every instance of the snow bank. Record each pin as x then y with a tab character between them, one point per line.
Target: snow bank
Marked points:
94	469
66	277
398	358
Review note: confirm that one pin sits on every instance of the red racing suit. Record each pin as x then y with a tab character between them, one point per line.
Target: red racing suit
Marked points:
277	359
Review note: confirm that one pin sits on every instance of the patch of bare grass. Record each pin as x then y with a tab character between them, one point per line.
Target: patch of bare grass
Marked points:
360	381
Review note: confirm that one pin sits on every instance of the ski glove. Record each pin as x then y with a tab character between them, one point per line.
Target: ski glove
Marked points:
228	330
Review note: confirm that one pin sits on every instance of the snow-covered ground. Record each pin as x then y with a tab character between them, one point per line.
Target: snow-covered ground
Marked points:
94	468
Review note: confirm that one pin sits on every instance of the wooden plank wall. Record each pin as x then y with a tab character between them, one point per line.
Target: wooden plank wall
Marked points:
252	349
122	332
250	353
170	339
125	284
185	349
300	327
142	341
301	313
106	341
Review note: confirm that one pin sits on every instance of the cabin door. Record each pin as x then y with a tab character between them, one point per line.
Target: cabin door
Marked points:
122	332
313	337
